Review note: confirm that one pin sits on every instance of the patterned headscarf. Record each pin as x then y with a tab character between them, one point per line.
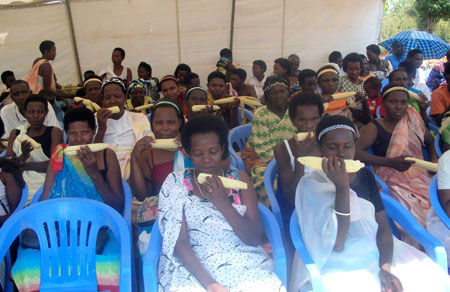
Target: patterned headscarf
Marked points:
273	80
139	83
114	80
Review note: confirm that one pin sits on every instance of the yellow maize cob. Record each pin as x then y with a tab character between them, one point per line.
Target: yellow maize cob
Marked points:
227	182
166	144
250	101
302	136
430	166
414	96
343	95
224	100
95	106
200	107
95	147
316	163
88	103
144	107
5	143
113	109
325	106
33	143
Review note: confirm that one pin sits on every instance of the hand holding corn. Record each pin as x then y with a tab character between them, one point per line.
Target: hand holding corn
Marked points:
316	163
167	144
430	166
227	182
95	147
200	107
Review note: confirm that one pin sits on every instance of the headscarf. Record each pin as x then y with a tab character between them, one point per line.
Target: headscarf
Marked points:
139	83
114	80
273	80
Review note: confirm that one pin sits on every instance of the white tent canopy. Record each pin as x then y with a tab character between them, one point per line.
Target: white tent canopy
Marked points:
166	33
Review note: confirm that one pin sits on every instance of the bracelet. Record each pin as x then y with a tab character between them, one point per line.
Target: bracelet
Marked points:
342	214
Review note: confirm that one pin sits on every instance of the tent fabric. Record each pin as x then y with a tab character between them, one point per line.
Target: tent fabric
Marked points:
165	33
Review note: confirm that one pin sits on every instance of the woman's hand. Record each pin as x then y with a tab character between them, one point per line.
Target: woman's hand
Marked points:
423	105
389	282
334	168
26	150
88	160
102	117
327	98
399	163
216	287
142	145
214	191
305	147
177	140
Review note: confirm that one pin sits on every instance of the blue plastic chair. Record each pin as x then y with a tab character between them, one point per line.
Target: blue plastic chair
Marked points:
151	259
269	178
247	114
436	204
75	263
437	145
379	112
432	126
238	136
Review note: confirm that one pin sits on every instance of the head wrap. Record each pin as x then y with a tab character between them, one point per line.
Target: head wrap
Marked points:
335	127
114	80
92	80
273	80
138	83
195	88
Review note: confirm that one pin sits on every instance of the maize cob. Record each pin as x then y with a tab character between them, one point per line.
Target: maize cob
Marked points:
343	95
242	107
144	107
224	100
33	143
302	136
250	101
167	144
325	106
200	107
430	166
5	143
227	182
95	147
316	163
88	103
113	109
414	96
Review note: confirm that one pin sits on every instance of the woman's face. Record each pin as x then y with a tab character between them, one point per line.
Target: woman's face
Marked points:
306	118
181	75
396	104
373	58
170	90
257	70
165	123
400	77
206	152
79	133
196	97
328	82
143	74
94	91
364	66
277	69
309	84
117	58
35	113
353	70
340	143
278	97
113	96
217	88
138	95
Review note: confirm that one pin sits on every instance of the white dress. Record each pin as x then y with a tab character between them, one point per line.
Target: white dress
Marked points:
110	72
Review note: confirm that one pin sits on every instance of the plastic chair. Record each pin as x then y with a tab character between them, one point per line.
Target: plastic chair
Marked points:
436	204
151	259
269	177
247	115
379	112
432	126
238	136
437	145
59	251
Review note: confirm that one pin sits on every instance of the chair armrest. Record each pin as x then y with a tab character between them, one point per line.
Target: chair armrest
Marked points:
383	185
151	260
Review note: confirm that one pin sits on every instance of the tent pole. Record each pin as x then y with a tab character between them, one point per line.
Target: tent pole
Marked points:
283	28
178	31
74	41
233	9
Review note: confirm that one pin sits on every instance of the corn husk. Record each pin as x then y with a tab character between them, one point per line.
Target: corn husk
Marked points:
430	166
316	163
95	147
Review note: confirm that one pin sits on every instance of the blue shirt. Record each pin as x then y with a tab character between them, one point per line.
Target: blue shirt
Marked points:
395	61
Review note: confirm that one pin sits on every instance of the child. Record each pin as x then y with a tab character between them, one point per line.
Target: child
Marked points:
372	88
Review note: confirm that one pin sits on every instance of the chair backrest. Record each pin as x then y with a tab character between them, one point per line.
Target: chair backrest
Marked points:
432	126
248	115
436	204
379	112
238	137
67	238
269	178
271	228
437	145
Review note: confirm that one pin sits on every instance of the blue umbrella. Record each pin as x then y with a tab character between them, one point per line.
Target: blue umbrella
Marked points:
432	46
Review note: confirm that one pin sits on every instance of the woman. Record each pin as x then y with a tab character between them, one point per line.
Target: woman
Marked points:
145	73
120	130
283	68
271	125
400	134
170	89
35	159
116	69
88	175
137	97
345	228
180	73
211	234
93	89
365	72
195	96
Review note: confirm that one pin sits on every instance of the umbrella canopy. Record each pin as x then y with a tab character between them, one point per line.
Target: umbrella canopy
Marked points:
432	46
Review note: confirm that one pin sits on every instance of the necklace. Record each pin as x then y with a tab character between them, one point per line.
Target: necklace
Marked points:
198	186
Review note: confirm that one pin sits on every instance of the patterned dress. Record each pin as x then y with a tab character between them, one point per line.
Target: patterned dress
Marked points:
345	85
267	131
232	263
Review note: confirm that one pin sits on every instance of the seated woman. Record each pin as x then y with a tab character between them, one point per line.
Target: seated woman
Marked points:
195	96
89	175
211	234
151	83
93	89
327	81
121	130
398	135
137	97
35	159
345	229
271	125
170	88
365	72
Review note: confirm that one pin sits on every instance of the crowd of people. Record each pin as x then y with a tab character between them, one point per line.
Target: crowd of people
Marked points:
213	238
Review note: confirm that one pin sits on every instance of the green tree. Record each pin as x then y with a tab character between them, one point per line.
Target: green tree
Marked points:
430	12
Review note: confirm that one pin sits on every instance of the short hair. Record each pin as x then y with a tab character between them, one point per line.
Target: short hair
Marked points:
203	124
122	51
292	56
189	77
182	67
397	44
47	93
413	52
325	68
389	86
20	81
227	53
373	83
79	114
285	64
334	56
216	74
167	103
306	73
352	57
46	46
391	76
409	67
261	64
36	98
374	49
363	57
2	127
92	77
240	73
6	74
333	120
146	67
305	98
89	72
